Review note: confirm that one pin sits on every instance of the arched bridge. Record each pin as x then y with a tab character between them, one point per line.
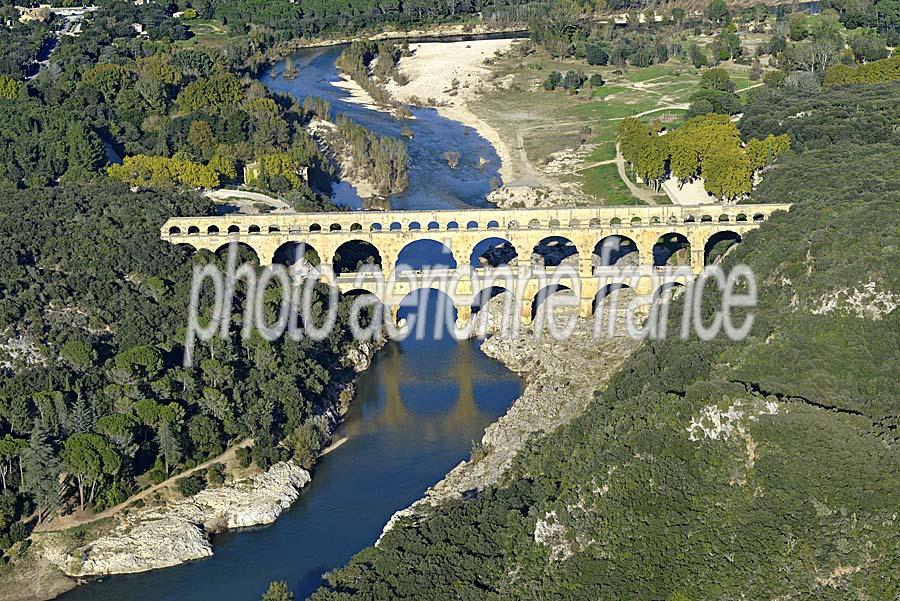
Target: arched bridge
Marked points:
652	240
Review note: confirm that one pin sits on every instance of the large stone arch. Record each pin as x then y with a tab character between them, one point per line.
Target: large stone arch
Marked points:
665	292
717	244
493	251
354	255
616	250
543	294
672	248
246	253
425	253
438	309
486	295
290	252
609	294
555	250
373	309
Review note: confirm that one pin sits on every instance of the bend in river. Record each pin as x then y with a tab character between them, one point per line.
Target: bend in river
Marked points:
416	412
433	184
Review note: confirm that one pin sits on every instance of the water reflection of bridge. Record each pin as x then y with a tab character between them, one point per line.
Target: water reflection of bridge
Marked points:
461	372
692	231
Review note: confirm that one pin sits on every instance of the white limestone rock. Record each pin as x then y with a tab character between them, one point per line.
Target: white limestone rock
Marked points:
159	537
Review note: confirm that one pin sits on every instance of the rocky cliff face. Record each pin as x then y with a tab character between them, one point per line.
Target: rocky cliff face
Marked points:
158	537
562	377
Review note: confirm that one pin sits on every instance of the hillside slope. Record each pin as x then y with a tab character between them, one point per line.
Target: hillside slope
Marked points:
768	468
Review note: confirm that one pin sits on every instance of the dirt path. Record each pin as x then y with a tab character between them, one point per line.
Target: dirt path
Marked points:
642	195
82	517
682	107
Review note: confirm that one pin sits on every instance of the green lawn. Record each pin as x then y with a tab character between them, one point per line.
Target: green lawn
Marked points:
604	183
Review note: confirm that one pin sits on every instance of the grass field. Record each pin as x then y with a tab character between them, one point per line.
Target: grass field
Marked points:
207	32
604	182
541	122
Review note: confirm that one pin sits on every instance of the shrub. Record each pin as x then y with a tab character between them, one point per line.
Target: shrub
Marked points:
244	457
215	474
191	485
553	80
596	55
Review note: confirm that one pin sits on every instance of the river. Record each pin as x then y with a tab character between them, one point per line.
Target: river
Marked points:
417	410
432	183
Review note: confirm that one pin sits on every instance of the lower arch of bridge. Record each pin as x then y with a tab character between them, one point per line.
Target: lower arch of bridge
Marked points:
291	252
184	246
611	294
245	253
672	248
492	252
429	313
425	254
617	250
481	300
374	307
718	244
543	294
553	250
352	256
667	291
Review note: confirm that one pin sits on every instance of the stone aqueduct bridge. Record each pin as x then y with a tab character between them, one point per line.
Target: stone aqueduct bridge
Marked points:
460	231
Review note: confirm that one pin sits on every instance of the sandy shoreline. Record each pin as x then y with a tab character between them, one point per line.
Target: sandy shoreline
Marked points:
432	70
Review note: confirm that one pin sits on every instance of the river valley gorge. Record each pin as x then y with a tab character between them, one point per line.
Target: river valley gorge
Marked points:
417	411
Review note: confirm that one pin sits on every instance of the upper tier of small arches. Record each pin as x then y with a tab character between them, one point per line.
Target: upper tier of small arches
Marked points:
324	227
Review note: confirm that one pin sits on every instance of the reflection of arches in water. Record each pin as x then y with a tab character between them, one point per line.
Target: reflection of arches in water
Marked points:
718	244
553	250
423	254
492	252
617	250
354	255
245	253
543	294
609	296
429	313
481	300
672	249
667	292
291	252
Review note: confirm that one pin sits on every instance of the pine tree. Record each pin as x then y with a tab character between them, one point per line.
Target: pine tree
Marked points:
42	468
82	418
278	591
168	445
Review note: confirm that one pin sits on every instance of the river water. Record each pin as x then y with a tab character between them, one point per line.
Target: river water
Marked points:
432	183
416	412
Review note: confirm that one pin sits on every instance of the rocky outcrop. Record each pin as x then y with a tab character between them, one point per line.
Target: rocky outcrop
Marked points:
527	197
562	377
176	532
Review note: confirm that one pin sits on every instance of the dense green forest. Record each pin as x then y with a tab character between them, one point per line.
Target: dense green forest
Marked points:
94	401
176	115
94	310
635	499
